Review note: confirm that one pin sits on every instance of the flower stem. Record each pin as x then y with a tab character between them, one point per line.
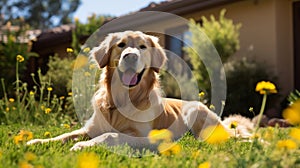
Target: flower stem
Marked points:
262	109
18	86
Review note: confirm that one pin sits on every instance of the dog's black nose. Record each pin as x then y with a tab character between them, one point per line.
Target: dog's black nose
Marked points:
130	58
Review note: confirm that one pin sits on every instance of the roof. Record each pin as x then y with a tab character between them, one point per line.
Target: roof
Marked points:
181	7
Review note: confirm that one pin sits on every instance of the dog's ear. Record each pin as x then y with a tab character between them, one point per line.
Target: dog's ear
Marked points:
101	54
158	57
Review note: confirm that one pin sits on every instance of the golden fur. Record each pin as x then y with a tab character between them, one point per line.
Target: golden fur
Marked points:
129	104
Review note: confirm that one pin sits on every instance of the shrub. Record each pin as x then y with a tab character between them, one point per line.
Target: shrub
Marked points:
224	35
60	74
38	106
13	42
242	77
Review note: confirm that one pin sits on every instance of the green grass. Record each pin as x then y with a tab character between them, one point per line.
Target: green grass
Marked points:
233	153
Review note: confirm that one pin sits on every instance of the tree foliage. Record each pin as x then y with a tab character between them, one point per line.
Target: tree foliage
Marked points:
223	34
39	14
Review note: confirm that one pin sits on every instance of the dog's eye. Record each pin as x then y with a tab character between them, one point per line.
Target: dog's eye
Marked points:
121	45
143	47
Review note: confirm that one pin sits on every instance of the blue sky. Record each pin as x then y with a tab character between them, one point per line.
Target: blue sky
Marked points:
109	7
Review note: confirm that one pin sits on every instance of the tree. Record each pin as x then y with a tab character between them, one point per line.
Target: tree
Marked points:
39	14
221	36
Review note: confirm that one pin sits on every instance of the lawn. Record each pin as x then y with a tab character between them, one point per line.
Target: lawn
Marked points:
269	151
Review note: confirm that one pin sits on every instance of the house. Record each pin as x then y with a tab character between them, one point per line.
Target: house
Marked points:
269	33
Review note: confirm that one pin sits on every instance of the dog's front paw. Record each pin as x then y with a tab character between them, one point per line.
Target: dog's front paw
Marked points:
81	145
36	141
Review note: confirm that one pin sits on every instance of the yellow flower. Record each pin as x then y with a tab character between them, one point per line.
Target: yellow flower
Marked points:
31	93
80	62
11	100
295	133
70	94
92	66
7	109
88	160
23	136
87	74
66	125
20	58
70	50
62	97
214	134
233	125
269	133
25	164
76	19
264	87
196	154
42	107
29	156
286	144
168	148
47	110
292	113
201	94
160	135
212	107
47	134
204	165
49	89
251	109
87	49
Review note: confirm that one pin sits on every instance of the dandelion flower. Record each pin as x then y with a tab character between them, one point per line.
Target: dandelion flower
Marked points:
168	148
201	94
47	110
11	100
196	154
20	58
49	89
292	113
66	125
87	49
7	109
70	50
62	97
205	165
160	135
23	136
25	164
295	133
87	74
264	87
47	134
286	144
233	125
214	134
88	160
212	107
70	94
31	93
29	156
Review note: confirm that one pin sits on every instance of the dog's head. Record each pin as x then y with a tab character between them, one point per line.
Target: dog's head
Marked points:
132	53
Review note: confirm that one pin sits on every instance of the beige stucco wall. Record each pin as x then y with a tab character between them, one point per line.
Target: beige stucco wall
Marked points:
265	35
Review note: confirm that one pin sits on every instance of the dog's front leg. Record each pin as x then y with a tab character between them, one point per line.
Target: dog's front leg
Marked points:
64	137
114	139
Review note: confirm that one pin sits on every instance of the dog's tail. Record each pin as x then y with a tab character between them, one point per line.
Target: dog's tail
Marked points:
239	126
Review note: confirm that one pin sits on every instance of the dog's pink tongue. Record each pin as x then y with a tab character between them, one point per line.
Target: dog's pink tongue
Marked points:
129	78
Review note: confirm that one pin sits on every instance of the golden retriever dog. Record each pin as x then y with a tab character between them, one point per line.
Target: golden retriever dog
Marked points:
128	104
